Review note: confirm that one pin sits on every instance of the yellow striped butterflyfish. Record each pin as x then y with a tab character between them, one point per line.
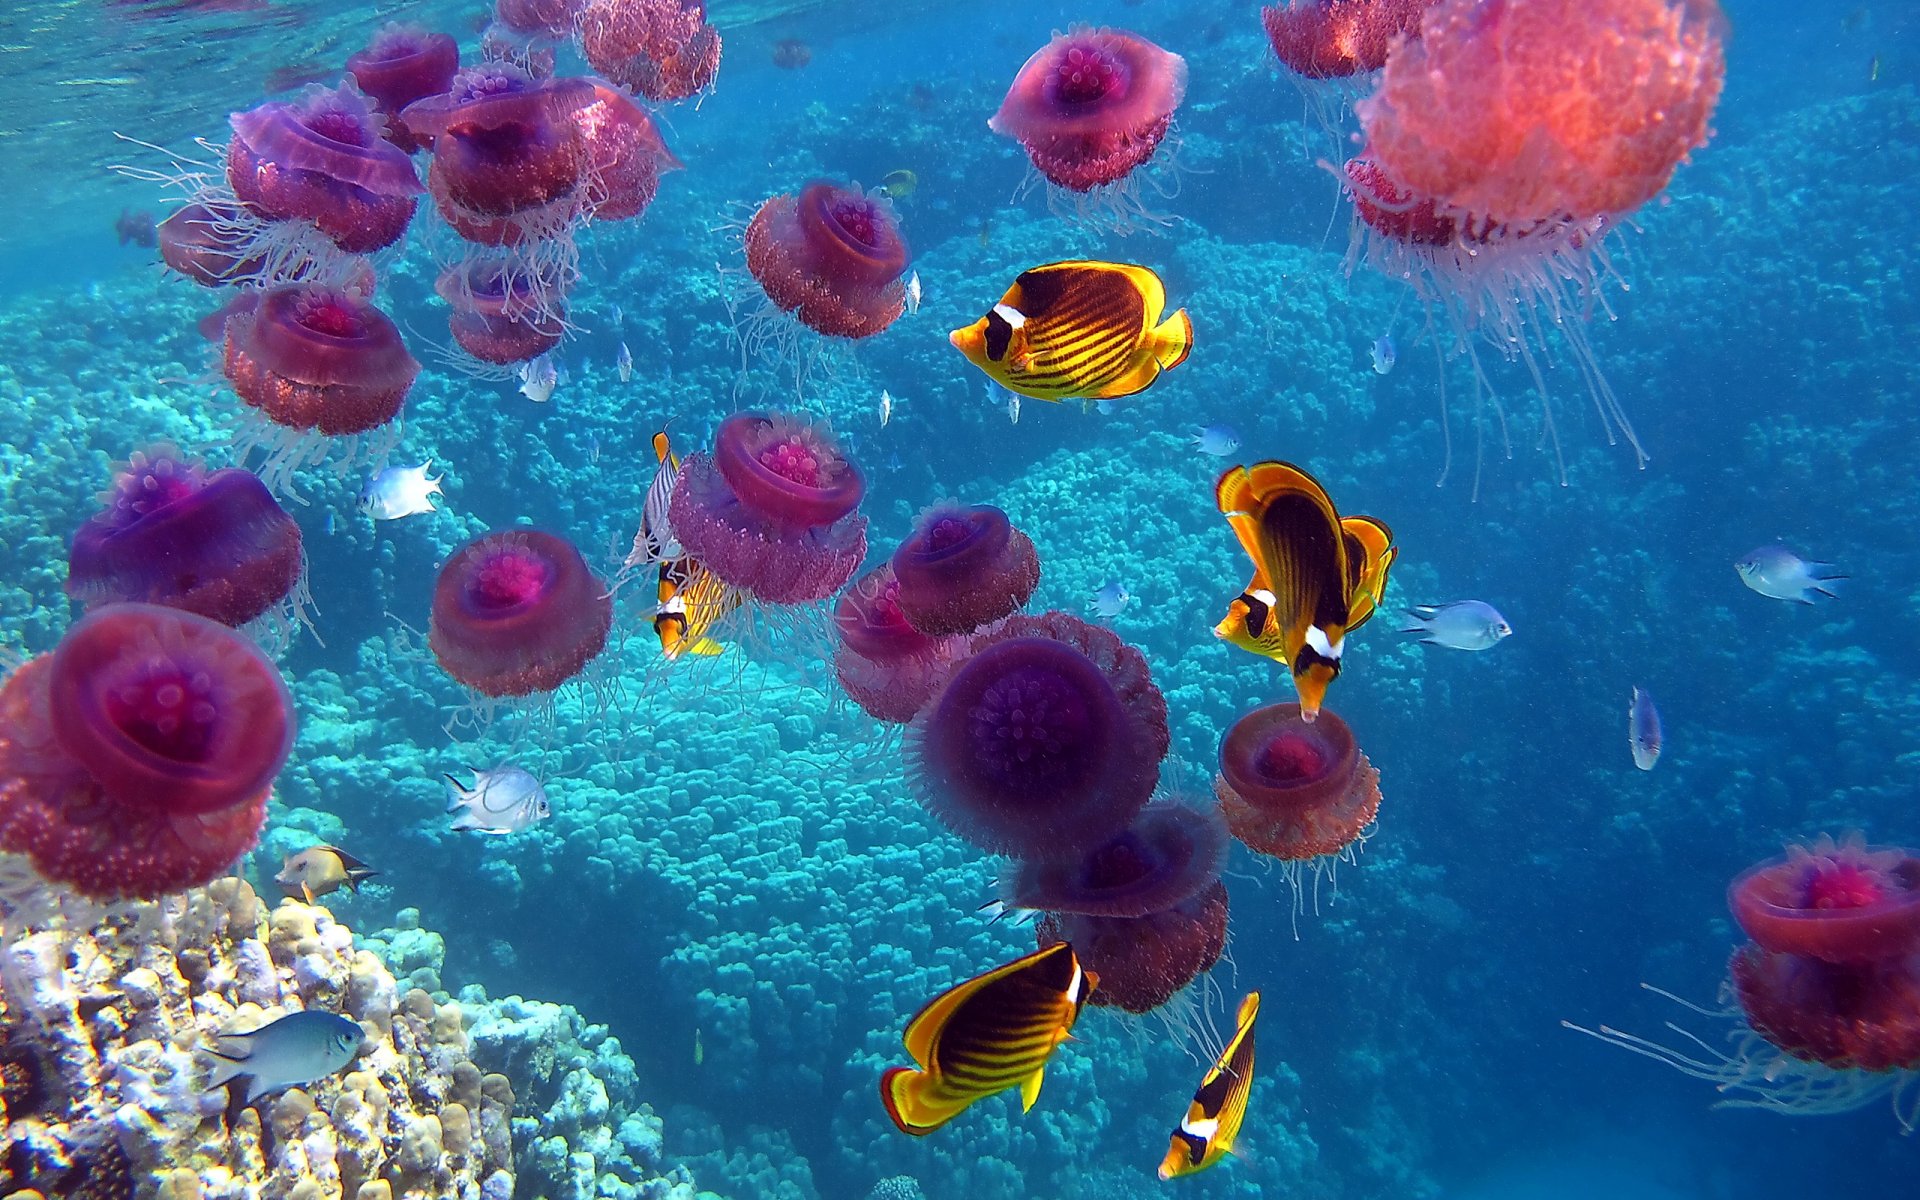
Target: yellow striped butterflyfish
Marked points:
1080	330
981	1037
1316	577
1207	1133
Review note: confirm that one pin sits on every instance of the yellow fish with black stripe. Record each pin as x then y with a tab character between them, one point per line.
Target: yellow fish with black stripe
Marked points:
691	599
1212	1124
1081	330
1316	576
981	1037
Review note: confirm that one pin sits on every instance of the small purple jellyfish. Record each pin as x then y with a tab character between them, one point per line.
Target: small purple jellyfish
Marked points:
964	567
888	667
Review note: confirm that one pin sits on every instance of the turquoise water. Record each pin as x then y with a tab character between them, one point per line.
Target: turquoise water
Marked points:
736	880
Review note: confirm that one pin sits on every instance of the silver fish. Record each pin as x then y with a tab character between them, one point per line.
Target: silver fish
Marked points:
1217	440
538	378
623	359
1013	407
619	316
505	799
1111	599
913	293
400	492
1644	737
290	1052
886	407
1461	625
1777	572
1384	355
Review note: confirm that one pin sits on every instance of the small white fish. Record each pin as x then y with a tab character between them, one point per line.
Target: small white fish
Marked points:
505	799
1384	355
593	446
538	378
289	1052
331	526
913	293
619	316
623	359
1106	407
886	407
1778	573
1644	736
400	492
1111	599
1013	407
1461	625
1217	440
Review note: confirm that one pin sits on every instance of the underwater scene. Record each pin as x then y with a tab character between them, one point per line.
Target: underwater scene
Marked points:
782	600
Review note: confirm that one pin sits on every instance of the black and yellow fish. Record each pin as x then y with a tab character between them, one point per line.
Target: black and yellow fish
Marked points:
691	600
1078	330
320	871
991	1033
1207	1133
1316	577
655	543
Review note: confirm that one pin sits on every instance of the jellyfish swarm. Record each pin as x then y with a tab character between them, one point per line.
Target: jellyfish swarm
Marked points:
1146	905
888	667
517	612
963	567
1298	791
170	533
136	759
1337	39
662	49
315	363
1824	1003
500	315
401	64
1045	741
832	256
1091	108
771	510
324	158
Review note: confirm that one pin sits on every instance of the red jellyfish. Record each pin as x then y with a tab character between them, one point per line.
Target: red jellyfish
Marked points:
404	63
1092	107
662	49
501	315
1824	1003
625	154
771	510
216	544
136	759
1145	910
1299	791
1045	741
517	612
832	256
962	567
888	667
324	158
1336	39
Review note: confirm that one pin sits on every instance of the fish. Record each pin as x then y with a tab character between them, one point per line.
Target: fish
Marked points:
1317	577
330	524
136	228
791	54
1082	330
886	407
1384	355
1460	625
654	541
538	378
503	800
1778	573
1013	408
981	1037
1644	736
623	362
913	293
692	600
1105	408
320	871
1112	597
593	446
1212	1124
900	184
619	316
292	1051
1217	440
400	492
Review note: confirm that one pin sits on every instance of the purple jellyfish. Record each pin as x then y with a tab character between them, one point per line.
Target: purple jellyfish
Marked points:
964	567
889	668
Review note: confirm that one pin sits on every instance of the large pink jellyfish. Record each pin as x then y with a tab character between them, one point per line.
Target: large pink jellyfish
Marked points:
1045	741
404	63
324	158
517	612
625	154
216	544
771	511
889	668
136	760
832	256
662	49
962	567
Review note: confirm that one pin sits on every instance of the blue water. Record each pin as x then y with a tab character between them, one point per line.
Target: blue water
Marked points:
734	860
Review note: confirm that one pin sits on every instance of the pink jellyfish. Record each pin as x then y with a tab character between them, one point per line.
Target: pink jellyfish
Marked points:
962	567
324	158
832	256
517	612
889	668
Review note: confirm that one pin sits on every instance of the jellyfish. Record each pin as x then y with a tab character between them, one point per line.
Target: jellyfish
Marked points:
889	667
1298	791
315	363
324	158
625	154
199	243
517	612
1091	107
962	567
1145	910
404	63
137	758
215	544
1045	741
500	315
1335	39
771	510
832	256
662	49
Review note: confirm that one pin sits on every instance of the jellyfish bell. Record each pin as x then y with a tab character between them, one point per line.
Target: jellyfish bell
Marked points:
508	159
137	758
662	49
402	64
1840	902
625	154
832	256
1339	39
324	158
888	667
500	315
517	612
963	567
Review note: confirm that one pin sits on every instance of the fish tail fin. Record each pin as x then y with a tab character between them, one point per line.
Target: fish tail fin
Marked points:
1173	340
900	1089
227	1067
359	875
464	821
